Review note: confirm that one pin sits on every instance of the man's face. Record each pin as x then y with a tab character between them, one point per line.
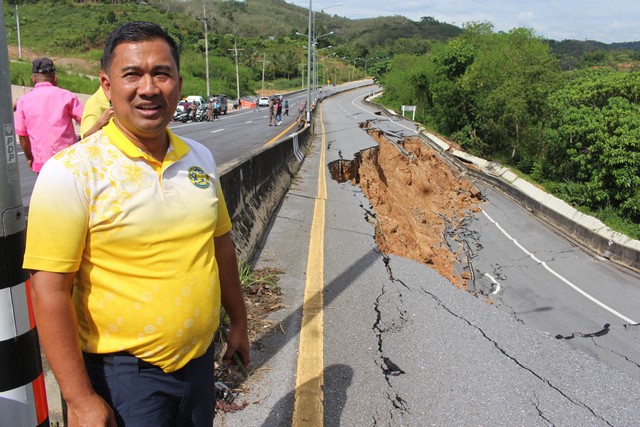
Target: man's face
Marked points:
144	86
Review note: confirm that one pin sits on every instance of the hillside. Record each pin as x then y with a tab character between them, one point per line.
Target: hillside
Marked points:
264	30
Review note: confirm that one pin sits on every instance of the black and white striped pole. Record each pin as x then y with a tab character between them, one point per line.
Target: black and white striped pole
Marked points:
23	400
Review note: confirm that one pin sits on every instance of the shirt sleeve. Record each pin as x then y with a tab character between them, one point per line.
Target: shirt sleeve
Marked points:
57	222
90	115
18	120
223	224
76	109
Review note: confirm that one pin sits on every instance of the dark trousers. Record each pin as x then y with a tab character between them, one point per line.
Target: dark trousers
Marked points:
143	395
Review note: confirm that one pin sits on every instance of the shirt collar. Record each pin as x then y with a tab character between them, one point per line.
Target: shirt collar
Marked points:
177	147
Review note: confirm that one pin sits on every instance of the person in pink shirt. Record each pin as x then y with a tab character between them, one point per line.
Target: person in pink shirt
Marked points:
44	117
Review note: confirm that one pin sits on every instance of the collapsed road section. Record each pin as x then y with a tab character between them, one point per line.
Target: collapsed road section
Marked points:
417	202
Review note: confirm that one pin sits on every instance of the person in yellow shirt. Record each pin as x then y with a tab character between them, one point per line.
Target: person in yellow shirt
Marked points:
96	114
128	286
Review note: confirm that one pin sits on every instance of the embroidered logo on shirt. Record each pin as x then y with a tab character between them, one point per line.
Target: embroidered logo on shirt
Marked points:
198	177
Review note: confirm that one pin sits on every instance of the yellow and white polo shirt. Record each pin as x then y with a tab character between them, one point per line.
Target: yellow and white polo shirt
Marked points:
140	236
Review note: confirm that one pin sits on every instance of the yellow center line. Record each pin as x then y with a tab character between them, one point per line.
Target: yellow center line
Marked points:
277	137
308	409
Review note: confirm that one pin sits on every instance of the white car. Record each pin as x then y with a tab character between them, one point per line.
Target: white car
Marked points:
263	102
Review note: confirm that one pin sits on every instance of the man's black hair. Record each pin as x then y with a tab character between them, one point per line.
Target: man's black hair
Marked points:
136	31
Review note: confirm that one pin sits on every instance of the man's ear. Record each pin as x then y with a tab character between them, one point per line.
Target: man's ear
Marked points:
105	83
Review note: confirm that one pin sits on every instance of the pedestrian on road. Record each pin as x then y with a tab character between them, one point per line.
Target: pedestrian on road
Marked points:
127	288
278	108
286	107
272	113
194	110
216	109
44	117
210	109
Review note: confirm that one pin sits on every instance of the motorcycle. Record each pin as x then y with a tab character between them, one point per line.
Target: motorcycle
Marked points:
201	114
183	117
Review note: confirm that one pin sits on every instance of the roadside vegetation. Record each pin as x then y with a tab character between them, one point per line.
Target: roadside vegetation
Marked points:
505	97
564	113
270	37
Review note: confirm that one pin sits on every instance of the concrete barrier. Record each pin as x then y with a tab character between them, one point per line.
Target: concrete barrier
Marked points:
254	185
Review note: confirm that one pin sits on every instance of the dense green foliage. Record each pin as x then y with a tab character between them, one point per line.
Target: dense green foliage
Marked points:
593	141
573	54
504	96
265	32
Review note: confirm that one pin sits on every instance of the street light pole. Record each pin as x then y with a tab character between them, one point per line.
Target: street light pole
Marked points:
206	45
309	65
302	64
264	61
235	49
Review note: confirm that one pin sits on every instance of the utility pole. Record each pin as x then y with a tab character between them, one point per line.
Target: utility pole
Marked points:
206	45
302	82
264	61
235	49
23	398
18	32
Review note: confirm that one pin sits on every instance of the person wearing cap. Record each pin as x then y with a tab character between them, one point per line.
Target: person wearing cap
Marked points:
44	117
128	284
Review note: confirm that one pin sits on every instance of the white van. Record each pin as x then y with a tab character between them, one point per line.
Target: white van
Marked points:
197	99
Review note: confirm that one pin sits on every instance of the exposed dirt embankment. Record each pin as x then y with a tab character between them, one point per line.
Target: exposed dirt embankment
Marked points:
416	200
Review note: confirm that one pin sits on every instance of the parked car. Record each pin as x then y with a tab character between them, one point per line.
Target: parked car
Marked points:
180	106
263	101
196	98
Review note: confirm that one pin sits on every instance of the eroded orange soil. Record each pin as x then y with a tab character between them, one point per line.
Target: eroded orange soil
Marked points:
416	199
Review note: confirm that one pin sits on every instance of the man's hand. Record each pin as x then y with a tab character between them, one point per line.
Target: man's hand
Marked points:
237	341
90	411
232	299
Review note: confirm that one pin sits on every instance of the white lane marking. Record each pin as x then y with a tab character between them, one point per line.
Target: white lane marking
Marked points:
217	130
250	121
495	282
565	281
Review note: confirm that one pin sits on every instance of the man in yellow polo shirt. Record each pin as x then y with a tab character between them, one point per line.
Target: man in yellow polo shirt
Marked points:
131	256
96	114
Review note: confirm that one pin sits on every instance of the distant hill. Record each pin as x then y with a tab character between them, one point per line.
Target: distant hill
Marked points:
261	26
577	53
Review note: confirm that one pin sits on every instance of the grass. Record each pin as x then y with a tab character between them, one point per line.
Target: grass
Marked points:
249	277
262	297
20	73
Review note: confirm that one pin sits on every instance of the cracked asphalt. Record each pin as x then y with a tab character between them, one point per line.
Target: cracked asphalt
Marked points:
402	345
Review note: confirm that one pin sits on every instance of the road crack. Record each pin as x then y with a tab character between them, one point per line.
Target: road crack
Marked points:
399	406
514	359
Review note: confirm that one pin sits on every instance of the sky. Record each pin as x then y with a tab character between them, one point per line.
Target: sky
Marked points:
607	21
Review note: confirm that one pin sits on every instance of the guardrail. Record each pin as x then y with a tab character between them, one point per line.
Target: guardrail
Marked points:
254	185
583	229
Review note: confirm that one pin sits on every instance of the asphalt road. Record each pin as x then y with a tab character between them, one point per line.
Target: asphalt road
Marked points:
582	298
230	138
401	346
